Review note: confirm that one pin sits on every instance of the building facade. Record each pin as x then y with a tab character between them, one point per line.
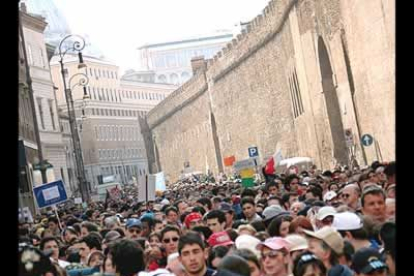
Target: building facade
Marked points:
170	62
108	119
306	78
45	102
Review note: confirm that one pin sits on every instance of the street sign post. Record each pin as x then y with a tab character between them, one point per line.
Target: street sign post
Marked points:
367	140
50	194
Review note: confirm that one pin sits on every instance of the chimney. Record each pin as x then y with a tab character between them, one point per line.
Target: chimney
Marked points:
23	7
197	64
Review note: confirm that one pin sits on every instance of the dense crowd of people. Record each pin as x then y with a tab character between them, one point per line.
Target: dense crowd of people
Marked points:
331	223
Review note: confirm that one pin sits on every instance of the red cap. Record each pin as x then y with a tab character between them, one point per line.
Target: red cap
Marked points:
219	238
192	217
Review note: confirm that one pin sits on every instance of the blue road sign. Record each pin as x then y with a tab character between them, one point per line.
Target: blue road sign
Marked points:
50	194
253	152
367	140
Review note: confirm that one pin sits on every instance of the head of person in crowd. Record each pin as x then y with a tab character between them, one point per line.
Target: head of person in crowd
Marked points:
235	264
275	257
331	199
296	207
313	192
292	183
350	226
50	247
260	205
251	258
127	257
158	225
172	215
95	259
216	220
192	253
274	200
154	239
367	262
147	221
390	191
390	208
298	224
109	237
258	226
53	225
372	176
364	180
181	206
204	232
279	226
373	203
205	203
327	244
297	245
134	228
288	199
216	202
246	229
248	192
220	239
216	255
249	209
390	173
307	263
333	186
169	238
387	234
88	227
325	216
87	245
70	235
33	262
272	188
271	212
228	211
111	222
192	220
350	195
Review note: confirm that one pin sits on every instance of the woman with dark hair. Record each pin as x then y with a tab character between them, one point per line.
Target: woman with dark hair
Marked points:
308	264
216	254
251	259
279	226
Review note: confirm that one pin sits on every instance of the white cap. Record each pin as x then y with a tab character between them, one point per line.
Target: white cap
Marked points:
329	196
165	201
347	221
247	242
297	242
325	211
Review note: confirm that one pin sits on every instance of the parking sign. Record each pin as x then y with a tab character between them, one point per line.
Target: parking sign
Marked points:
253	152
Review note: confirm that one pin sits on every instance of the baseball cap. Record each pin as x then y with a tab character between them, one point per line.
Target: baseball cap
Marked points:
225	207
367	260
325	211
330	236
275	243
347	221
219	238
272	211
329	196
111	236
248	242
192	217
297	242
133	222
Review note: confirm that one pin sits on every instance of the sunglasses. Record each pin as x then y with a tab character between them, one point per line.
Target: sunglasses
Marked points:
134	231
328	220
271	255
345	195
175	239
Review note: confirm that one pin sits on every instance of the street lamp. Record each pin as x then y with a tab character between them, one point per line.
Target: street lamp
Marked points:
80	79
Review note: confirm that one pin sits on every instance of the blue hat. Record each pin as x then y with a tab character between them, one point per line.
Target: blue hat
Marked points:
133	222
147	215
367	260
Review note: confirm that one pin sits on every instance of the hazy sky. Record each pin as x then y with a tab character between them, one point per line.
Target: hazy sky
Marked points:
118	27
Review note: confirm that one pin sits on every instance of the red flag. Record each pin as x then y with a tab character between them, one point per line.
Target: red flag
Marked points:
270	166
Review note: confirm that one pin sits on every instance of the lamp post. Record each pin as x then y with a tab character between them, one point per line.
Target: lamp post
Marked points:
80	79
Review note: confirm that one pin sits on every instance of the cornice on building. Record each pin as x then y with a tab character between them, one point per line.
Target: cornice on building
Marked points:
36	23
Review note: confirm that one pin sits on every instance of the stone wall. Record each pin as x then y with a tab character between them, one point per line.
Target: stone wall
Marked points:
300	75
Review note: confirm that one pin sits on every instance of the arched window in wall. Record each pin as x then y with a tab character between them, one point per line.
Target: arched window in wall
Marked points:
174	78
162	79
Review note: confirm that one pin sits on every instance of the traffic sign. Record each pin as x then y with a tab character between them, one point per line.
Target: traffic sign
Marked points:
50	194
367	140
253	152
